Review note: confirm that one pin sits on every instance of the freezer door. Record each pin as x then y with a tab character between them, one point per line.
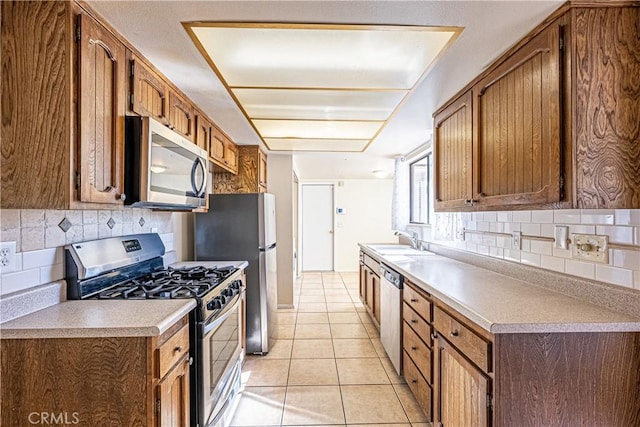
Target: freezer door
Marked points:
268	219
259	340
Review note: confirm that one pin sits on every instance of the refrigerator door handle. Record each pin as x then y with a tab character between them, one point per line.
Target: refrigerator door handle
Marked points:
264	249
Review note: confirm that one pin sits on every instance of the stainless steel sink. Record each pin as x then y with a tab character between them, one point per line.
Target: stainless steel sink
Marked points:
397	250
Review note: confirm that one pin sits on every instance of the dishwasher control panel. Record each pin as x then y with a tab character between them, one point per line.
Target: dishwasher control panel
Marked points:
392	276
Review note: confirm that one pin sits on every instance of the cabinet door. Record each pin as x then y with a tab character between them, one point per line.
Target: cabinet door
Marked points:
453	154
173	393
216	148
262	168
231	156
376	297
181	115
101	110
519	152
149	92
462	389
369	290
203	132
363	282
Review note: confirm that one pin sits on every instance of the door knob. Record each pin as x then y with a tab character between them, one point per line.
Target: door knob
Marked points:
330	231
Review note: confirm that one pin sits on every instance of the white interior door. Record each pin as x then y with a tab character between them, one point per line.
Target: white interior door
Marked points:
317	227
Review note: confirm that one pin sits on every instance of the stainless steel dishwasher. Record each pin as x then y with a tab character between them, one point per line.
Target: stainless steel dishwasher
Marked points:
391	314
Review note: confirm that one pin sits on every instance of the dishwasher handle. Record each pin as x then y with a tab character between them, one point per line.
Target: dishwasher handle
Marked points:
391	276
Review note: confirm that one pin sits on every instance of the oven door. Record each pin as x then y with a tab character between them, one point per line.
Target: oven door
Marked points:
221	358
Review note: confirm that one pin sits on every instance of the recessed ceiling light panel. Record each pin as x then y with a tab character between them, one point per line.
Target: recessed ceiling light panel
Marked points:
319	83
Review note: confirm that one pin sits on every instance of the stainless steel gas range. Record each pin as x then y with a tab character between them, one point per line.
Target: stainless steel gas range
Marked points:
132	267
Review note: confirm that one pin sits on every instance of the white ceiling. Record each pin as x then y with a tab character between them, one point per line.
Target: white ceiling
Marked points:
491	27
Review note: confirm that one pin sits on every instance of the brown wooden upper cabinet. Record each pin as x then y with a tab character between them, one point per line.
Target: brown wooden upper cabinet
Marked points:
262	171
453	153
216	147
549	122
63	105
150	92
231	156
101	97
181	115
203	131
518	147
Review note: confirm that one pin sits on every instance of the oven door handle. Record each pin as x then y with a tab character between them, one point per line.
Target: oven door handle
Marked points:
217	321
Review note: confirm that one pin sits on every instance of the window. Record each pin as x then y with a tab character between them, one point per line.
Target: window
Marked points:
421	189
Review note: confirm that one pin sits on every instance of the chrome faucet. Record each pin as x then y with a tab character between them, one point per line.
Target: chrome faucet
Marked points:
412	237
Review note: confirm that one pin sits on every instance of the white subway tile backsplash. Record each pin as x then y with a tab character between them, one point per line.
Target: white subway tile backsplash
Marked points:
579	268
530	259
116	230
496	252
561	253
103	217
530	229
482	249
626	259
127	216
552	263
490	217
127	228
547	230
597	216
482	226
496	227
521	216
506	216
566	216
627	216
9	219
618	276
543	248
510	227
32	238
12	235
41	258
582	229
542	216
51	273
104	231
617	234
512	255
13	282
636	236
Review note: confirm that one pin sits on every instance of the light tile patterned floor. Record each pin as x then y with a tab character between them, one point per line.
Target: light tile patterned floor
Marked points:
327	366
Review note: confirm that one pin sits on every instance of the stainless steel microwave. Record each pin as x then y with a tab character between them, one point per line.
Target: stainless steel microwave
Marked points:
163	170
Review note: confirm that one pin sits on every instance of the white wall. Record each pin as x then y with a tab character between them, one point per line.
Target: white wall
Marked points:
367	218
280	183
183	235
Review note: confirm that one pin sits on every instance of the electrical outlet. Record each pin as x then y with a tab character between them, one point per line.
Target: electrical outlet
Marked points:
589	247
460	234
561	234
517	240
7	257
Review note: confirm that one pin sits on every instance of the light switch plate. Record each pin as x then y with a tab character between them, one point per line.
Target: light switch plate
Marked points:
589	247
561	234
517	240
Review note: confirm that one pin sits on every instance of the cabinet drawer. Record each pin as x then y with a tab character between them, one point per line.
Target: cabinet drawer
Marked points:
468	342
172	351
417	302
418	350
417	323
418	385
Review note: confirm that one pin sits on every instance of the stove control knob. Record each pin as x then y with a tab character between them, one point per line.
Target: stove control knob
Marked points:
214	304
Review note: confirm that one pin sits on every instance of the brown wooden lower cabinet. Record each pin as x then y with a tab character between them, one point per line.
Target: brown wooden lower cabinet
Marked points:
517	379
123	381
370	287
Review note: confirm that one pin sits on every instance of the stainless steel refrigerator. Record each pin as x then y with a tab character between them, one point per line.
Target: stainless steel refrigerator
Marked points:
243	227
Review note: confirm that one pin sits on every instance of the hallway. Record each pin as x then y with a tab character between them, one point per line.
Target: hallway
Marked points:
327	366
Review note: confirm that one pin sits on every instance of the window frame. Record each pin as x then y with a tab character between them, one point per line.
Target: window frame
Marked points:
429	157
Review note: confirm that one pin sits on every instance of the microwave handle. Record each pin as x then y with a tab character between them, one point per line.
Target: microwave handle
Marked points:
203	188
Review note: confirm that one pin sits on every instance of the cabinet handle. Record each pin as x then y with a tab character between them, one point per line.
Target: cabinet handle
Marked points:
414	381
414	300
434	336
414	348
123	197
454	333
414	321
178	349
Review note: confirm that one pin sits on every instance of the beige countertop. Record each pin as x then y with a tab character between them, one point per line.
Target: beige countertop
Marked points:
99	318
502	304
